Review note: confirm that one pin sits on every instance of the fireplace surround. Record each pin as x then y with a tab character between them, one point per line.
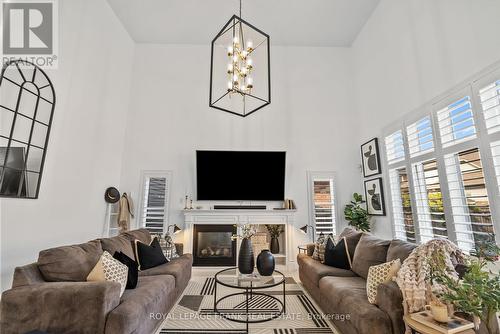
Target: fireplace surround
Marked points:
214	246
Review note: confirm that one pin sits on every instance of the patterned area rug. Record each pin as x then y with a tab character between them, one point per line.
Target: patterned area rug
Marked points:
194	314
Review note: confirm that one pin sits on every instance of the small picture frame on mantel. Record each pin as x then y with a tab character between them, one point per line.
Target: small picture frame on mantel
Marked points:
370	157
374	192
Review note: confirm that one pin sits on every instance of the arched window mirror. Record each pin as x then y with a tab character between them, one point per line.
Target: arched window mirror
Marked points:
27	101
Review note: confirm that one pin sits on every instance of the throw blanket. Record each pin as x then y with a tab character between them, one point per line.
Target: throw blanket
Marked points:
413	277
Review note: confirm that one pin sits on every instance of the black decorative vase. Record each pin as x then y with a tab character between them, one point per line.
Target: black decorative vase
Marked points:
265	263
275	246
246	261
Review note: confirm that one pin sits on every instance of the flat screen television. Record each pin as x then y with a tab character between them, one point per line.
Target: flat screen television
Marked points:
240	175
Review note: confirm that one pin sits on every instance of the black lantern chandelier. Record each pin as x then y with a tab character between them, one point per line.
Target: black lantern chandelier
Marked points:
240	73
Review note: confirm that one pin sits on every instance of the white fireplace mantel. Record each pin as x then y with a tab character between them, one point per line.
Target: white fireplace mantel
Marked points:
240	217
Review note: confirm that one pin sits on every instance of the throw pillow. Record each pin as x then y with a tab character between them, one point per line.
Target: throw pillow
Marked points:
149	256
109	269
380	274
337	255
133	270
317	244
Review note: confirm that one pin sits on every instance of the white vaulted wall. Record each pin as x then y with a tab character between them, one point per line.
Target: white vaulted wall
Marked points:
311	117
86	144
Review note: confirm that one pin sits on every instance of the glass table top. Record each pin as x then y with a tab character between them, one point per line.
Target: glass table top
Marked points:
233	278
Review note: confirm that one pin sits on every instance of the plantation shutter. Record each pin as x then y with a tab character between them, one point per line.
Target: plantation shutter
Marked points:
429	200
456	122
324	206
469	198
420	138
490	104
401	205
394	146
495	152
154	214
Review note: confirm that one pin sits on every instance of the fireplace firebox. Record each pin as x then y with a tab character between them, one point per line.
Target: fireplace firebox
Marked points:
213	245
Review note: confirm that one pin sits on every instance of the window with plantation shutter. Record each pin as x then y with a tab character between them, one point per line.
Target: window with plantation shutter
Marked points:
456	122
429	200
420	138
155	201
323	202
490	104
469	198
401	205
495	152
394	147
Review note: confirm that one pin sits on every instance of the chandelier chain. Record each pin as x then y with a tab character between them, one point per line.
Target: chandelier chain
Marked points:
240	8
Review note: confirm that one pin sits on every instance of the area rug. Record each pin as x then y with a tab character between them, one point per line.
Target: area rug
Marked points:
194	314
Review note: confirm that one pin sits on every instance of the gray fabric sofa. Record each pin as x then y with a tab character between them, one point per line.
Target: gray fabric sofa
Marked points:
342	293
52	295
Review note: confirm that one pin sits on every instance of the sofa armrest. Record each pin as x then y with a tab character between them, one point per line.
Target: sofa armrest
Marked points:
390	300
58	307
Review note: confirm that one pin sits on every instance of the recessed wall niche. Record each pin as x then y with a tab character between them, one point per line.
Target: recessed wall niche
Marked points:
27	101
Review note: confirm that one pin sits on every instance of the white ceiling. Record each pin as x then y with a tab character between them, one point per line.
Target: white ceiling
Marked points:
289	22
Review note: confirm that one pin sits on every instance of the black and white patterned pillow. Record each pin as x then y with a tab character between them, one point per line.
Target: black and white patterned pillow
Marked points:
319	241
109	269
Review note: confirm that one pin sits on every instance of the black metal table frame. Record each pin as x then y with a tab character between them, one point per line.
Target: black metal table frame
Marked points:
249	293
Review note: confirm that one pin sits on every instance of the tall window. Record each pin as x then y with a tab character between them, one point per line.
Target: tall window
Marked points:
401	202
322	199
155	201
451	156
429	199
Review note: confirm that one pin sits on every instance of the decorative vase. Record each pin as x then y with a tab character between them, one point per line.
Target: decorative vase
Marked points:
275	246
265	263
246	261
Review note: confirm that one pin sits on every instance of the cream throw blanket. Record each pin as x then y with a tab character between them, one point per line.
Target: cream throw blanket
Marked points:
413	277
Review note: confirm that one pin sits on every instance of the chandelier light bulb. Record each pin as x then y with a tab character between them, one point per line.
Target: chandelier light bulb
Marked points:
229	51
249	63
229	86
249	46
249	82
236	40
229	68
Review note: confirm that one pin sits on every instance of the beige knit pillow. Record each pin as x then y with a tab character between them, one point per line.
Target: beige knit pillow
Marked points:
109	269
317	244
380	274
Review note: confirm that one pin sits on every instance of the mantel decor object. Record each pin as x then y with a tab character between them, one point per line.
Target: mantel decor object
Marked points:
240	74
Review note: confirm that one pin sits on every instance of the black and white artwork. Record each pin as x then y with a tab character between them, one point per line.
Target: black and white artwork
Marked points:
371	158
374	193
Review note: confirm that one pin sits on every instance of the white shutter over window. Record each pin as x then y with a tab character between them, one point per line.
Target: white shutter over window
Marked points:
420	138
495	152
456	122
322	196
490	104
401	205
154	214
394	147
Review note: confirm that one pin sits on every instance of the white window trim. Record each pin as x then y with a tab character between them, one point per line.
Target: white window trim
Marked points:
482	141
155	173
311	176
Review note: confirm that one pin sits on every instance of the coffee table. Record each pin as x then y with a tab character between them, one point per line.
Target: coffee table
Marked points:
252	314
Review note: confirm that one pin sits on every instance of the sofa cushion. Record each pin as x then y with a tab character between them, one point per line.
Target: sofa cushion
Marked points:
347	295
352	238
153	294
370	251
141	234
179	267
315	270
118	244
399	249
69	263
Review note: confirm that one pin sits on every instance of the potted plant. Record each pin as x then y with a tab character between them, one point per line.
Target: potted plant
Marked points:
246	262
477	292
356	214
275	231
